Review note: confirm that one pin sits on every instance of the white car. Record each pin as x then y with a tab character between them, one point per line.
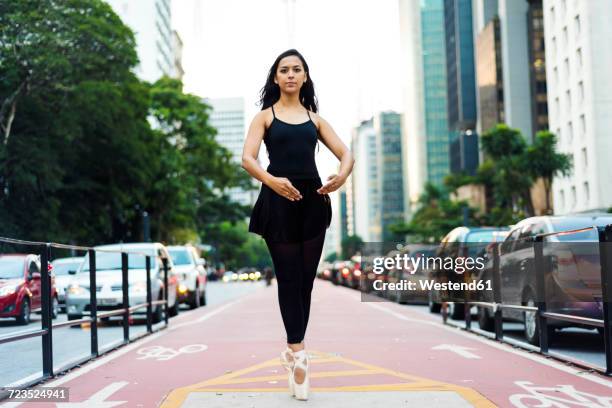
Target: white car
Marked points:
191	271
109	293
65	270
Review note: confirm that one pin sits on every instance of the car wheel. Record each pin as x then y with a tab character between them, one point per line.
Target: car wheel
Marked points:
203	300
24	316
485	321
74	317
195	299
456	311
174	310
532	326
600	330
433	306
55	309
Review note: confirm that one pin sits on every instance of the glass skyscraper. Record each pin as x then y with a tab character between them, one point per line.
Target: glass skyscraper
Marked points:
435	90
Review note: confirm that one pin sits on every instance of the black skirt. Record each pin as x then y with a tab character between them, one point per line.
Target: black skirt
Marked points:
279	219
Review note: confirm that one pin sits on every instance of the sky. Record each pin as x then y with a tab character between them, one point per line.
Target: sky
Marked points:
351	47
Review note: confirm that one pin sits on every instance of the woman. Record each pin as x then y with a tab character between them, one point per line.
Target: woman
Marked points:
293	210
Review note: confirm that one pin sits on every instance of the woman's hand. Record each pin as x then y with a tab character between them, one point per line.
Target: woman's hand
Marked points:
283	187
334	182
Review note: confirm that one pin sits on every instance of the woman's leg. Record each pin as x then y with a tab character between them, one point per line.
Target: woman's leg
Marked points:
287	260
311	252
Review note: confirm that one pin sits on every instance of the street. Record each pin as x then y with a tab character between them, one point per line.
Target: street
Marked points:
363	353
70	344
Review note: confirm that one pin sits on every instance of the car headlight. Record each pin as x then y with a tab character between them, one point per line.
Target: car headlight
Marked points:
138	287
8	290
76	289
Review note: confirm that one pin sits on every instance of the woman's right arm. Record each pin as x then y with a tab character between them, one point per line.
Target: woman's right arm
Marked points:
250	152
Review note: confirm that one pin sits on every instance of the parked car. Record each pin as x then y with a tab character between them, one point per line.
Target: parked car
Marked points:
64	270
191	271
572	262
109	281
20	287
460	242
324	270
230	276
417	295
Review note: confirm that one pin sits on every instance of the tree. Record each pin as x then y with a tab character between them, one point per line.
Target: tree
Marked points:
542	160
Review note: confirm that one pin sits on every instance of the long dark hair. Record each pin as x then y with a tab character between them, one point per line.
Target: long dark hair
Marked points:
270	93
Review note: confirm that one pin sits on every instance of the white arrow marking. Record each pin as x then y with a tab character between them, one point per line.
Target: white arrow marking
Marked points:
461	350
98	400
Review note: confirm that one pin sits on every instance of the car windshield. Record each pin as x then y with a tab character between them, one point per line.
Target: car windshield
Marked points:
180	256
11	268
65	267
569	223
112	260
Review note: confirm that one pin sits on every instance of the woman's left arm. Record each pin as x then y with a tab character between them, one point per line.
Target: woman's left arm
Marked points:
341	151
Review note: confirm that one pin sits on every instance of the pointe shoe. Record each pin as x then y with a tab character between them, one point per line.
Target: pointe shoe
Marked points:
287	360
301	361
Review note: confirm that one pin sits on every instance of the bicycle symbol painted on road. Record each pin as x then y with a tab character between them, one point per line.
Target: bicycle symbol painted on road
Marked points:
573	397
161	353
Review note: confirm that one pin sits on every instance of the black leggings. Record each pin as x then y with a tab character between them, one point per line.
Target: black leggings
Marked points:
295	265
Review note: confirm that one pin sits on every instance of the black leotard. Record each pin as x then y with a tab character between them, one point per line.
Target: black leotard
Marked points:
291	148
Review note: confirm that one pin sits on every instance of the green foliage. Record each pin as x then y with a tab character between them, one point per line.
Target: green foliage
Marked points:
86	147
436	216
351	245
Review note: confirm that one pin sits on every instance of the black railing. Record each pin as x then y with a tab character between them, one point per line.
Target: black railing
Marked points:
47	325
540	310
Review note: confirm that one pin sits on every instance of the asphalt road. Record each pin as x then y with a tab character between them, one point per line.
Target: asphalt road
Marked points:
22	359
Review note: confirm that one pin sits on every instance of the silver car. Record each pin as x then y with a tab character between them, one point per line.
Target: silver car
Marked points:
65	270
192	275
109	293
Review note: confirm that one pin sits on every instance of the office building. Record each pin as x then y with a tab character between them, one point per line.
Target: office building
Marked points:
151	22
578	61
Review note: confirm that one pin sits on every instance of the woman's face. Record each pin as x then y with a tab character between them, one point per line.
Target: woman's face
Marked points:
290	74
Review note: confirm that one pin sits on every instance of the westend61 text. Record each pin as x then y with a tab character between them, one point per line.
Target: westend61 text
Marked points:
433	285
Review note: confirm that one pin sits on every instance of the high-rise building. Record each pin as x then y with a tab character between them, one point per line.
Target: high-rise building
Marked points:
537	66
228	118
460	70
151	22
425	124
578	61
375	193
387	126
365	184
501	28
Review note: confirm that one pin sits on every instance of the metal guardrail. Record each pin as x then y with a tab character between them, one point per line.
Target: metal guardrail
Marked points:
542	315
47	326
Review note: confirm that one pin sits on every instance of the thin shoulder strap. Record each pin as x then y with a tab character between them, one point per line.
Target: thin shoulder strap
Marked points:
272	106
308	112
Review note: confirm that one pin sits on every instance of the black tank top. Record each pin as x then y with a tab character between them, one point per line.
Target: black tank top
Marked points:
291	148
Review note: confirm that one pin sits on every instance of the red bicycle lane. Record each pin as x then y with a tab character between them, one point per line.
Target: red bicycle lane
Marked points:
358	349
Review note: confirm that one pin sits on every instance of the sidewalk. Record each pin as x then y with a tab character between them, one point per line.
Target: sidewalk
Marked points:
364	355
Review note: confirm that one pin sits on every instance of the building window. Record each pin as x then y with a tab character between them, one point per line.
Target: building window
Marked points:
566	67
562	194
577	26
579	57
574	197
565	38
586	192
557	108
556	76
552	17
582	126
581	92
570	132
554	46
560	137
568	100
584	158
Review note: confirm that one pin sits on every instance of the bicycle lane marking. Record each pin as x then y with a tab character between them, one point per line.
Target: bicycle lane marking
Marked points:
504	347
508	379
113	355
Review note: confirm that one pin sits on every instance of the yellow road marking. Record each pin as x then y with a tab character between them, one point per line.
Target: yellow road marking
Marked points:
219	384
